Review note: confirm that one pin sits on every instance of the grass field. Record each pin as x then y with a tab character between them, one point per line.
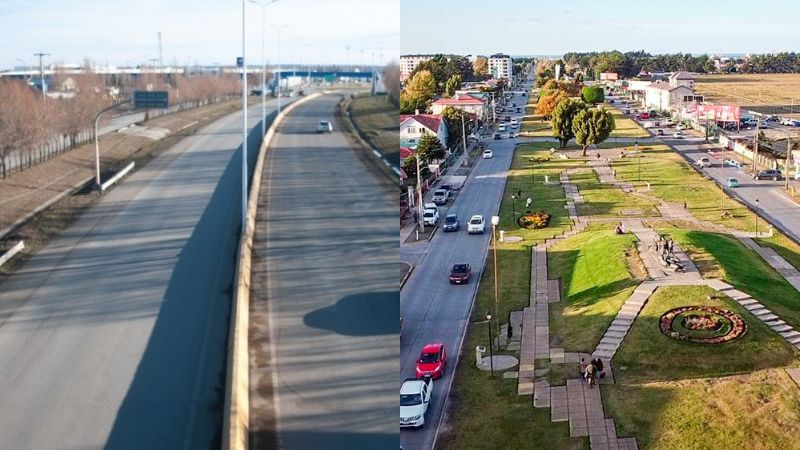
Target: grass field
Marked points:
625	127
378	119
769	93
607	200
758	411
507	420
592	297
536	127
726	257
646	354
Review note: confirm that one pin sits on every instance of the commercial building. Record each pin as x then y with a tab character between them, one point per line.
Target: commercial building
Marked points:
501	66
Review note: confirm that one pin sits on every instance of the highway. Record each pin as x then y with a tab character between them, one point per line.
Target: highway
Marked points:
434	310
114	335
325	304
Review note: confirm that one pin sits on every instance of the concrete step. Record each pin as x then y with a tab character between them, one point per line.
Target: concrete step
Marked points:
781	328
790	334
794	340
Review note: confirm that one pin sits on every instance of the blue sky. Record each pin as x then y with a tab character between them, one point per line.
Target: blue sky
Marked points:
206	31
544	27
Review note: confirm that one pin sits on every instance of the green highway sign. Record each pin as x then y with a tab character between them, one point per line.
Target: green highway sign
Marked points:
151	99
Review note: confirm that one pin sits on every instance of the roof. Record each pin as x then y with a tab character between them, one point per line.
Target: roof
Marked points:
429	121
461	100
682	75
406	152
432	348
664	86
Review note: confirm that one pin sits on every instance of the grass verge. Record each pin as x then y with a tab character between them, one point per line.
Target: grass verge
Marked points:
607	200
378	121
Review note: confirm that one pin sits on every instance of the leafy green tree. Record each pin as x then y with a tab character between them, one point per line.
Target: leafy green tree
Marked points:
453	118
418	91
593	94
591	127
410	168
429	148
453	83
563	115
481	67
410	104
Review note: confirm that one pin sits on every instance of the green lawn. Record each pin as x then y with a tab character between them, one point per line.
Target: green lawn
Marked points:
538	128
743	269
625	127
378	120
607	200
592	296
646	354
755	411
507	420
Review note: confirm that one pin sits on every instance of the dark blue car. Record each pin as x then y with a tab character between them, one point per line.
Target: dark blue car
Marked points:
451	223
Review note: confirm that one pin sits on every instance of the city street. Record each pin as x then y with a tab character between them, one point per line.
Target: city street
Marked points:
433	310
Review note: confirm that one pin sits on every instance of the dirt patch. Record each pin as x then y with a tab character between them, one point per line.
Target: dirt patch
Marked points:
636	267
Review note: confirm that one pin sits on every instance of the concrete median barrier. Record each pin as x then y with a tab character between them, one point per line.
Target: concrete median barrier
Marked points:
236	415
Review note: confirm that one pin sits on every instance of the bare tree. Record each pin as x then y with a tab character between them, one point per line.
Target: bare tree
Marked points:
391	80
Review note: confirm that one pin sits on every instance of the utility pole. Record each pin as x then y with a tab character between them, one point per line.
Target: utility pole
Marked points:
244	121
160	52
419	196
788	157
755	151
41	73
463	131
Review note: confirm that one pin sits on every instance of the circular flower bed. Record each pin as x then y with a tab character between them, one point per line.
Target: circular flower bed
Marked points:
702	325
534	220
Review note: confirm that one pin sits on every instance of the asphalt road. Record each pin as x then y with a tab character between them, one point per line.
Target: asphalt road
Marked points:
325	308
772	201
114	335
434	310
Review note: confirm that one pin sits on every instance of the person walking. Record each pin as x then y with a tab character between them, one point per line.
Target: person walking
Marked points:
598	365
591	375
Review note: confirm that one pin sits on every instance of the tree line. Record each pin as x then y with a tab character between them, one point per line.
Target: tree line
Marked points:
34	128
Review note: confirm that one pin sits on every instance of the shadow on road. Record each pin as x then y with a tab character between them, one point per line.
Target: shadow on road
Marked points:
349	316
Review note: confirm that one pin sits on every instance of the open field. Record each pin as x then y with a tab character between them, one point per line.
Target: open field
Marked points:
625	127
378	120
775	93
591	297
759	411
607	200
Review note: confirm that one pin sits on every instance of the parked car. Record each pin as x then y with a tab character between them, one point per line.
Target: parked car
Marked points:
501	128
432	361
659	132
704	162
440	196
677	135
769	174
451	223
430	217
415	396
680	127
477	224
519	110
627	111
733	182
460	274
487	154
497	136
514	122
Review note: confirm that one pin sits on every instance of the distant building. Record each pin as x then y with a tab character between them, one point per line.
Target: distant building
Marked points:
501	66
410	62
682	79
414	126
609	76
466	103
663	96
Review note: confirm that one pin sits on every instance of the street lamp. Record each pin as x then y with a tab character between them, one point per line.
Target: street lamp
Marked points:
263	63
280	63
514	206
756	217
495	222
491	343
244	120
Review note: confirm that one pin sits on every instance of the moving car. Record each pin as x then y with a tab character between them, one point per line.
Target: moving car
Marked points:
768	174
680	127
440	196
733	182
677	135
415	396
733	163
460	274
660	133
476	224
324	127
430	217
497	136
704	162
501	128
432	361
451	223
487	154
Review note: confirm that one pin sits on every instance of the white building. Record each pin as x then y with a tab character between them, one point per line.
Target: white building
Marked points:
501	66
661	96
466	103
414	126
409	62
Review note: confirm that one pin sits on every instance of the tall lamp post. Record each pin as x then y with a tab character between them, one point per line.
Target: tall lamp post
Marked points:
263	63
280	63
491	343
756	217
514	207
495	222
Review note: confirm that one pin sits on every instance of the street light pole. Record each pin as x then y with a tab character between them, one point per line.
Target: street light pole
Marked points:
514	207
263	63
41	74
491	343
244	121
280	63
756	217
495	222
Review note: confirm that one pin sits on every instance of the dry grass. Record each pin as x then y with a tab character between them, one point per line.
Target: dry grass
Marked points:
379	121
772	93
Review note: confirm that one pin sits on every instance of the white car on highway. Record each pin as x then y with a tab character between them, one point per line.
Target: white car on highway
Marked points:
703	162
476	224
487	154
415	396
324	127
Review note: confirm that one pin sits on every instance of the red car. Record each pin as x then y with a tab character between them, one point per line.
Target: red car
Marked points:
431	361
460	274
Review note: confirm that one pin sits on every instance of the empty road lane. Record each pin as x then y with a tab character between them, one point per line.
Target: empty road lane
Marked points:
114	335
325	300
